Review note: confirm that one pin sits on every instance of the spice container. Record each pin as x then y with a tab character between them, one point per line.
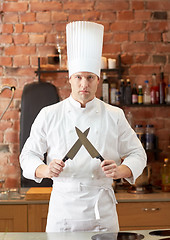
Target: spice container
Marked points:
166	176
149	137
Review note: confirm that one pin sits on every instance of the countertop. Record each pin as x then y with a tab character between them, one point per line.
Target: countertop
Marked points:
121	196
66	236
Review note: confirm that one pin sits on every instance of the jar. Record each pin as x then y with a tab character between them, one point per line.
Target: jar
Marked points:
140	133
149	137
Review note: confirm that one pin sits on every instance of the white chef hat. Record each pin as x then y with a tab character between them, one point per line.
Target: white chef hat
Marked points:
84	47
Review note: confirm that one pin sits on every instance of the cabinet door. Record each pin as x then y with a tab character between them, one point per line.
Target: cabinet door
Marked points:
13	218
144	215
37	217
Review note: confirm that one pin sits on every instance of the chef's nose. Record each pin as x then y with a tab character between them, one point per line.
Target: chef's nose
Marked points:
84	81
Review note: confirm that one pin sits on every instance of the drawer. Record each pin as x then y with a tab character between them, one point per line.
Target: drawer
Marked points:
144	215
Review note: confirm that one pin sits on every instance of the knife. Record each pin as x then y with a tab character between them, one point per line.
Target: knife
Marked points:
75	148
88	145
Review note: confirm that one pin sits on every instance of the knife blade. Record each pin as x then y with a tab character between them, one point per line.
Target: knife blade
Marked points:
88	145
75	148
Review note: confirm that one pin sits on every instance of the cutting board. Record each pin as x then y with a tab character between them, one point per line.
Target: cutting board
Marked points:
38	193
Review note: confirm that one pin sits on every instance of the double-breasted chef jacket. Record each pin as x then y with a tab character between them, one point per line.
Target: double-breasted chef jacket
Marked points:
82	198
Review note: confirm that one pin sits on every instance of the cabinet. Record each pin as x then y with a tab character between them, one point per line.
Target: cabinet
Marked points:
143	215
13	218
37	217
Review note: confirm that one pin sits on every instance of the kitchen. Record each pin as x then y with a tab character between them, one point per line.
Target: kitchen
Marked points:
138	30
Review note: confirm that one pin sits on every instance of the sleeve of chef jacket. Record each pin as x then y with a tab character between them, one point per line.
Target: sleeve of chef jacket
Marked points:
130	148
32	154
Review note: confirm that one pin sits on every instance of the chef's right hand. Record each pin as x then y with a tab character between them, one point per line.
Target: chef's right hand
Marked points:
55	167
52	170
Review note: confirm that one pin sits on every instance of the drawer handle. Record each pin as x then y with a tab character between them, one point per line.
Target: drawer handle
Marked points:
151	209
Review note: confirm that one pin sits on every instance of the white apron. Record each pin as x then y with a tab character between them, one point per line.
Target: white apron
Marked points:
82	205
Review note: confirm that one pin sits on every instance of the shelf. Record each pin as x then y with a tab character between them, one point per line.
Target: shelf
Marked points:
145	105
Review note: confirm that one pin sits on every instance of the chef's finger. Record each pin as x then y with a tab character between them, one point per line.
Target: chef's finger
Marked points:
107	162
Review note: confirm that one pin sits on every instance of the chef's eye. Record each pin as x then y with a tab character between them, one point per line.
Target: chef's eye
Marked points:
90	77
78	77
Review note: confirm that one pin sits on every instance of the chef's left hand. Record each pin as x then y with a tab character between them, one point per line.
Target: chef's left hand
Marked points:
113	171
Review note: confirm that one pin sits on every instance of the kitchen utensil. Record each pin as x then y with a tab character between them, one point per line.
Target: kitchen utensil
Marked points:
162	233
119	236
87	144
75	148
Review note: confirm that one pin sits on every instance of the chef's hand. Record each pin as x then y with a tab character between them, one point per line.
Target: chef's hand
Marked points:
54	169
113	171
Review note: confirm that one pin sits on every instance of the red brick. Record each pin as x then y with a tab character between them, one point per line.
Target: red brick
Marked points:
58	16
38	28
19	28
126	26
5	125
137	37
162	48
36	38
112	5
27	17
21	39
154	37
11	136
17	71
125	15
46	50
166	36
137	47
143	69
157	5
142	15
6	28
5	39
78	6
15	7
21	60
92	16
121	37
5	61
138	5
127	59
75	17
43	16
11	17
45	6
159	26
108	16
111	48
142	58
19	50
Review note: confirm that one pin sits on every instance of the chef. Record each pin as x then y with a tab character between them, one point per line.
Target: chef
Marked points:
82	197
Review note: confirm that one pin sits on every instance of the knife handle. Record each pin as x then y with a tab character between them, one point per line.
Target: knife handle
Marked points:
65	159
101	158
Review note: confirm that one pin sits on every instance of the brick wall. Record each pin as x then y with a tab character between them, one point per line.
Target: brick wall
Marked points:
138	30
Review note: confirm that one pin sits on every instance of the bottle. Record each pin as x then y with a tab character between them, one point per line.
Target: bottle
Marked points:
168	94
129	117
113	93
140	94
117	97
162	86
105	88
154	90
149	137
146	93
134	94
166	176
140	133
128	93
122	90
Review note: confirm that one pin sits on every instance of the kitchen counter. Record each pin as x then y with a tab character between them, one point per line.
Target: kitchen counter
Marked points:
65	236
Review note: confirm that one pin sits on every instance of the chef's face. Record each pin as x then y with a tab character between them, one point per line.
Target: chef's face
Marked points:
84	86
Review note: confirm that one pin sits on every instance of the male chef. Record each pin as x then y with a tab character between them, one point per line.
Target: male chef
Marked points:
82	198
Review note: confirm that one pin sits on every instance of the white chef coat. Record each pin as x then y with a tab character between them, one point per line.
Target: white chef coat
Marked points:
82	198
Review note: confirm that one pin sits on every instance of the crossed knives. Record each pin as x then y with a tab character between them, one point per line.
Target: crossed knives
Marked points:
82	140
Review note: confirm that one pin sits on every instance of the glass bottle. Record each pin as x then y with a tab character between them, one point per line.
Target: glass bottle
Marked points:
162	86
149	137
154	90
134	94
112	93
129	117
122	91
166	176
140	94
168	94
146	93
128	93
105	88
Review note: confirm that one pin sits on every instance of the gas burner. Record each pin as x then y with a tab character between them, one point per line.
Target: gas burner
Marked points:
162	233
118	236
142	189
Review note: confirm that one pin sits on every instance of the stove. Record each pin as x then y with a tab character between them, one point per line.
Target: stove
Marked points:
131	235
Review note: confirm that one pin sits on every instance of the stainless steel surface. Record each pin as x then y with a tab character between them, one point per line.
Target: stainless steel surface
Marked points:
75	148
88	145
66	235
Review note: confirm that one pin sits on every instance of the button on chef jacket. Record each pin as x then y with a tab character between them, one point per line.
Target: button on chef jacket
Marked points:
82	198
